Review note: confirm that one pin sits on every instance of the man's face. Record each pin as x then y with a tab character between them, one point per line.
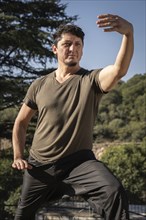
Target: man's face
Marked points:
69	50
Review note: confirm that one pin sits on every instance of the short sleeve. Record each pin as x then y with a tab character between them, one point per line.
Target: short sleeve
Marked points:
30	98
94	78
95	75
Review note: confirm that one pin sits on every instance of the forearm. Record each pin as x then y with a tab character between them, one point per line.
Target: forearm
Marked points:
110	75
19	138
125	54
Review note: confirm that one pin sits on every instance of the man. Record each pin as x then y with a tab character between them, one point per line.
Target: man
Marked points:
61	160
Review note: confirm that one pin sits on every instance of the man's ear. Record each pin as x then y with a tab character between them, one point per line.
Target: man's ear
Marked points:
54	49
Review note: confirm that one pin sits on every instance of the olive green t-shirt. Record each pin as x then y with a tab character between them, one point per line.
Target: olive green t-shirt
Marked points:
66	114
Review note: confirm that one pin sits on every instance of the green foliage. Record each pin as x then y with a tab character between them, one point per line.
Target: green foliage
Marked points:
128	163
7	118
8	115
12	91
11	203
26	29
10	182
8	174
122	112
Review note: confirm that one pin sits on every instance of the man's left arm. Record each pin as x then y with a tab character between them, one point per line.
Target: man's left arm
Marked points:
111	74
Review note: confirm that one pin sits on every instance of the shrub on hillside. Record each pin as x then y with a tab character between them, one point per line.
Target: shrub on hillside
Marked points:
128	163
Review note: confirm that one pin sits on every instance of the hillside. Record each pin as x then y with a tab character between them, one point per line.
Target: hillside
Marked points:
122	112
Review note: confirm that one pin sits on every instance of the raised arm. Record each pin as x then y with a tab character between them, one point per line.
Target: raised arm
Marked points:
19	137
111	74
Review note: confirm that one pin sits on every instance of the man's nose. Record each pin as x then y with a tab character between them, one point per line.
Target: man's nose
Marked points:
72	47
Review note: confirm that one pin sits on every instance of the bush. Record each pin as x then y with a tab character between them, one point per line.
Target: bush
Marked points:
10	184
128	163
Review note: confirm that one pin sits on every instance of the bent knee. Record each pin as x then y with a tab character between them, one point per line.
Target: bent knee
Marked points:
115	189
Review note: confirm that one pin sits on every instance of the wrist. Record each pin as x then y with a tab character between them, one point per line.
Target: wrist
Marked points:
18	156
130	31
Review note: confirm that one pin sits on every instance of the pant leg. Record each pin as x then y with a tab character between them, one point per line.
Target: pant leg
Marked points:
101	189
37	186
78	174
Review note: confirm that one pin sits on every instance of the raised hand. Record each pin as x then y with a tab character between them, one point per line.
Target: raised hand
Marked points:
111	23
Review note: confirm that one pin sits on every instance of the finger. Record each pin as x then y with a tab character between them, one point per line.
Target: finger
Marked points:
110	29
108	22
109	25
107	16
29	167
21	165
24	164
16	165
13	165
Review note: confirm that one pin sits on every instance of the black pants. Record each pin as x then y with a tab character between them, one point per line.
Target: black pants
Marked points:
78	174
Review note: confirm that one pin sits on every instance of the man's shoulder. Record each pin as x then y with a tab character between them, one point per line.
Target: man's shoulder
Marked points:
90	73
43	79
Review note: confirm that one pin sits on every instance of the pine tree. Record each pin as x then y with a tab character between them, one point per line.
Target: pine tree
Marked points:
26	28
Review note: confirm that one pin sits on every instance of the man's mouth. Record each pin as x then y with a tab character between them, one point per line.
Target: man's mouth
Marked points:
71	55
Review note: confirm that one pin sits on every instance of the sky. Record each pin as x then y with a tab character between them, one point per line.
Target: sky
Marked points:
100	48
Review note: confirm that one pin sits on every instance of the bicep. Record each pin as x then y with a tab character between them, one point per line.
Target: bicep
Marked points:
108	78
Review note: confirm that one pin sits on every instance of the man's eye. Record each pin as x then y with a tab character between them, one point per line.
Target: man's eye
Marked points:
66	44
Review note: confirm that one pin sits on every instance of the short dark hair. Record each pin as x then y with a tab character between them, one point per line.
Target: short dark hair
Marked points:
68	28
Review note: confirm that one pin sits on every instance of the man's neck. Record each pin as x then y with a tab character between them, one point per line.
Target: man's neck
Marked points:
67	70
63	73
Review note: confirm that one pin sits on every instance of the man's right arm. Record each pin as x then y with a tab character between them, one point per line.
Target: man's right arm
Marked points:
19	137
